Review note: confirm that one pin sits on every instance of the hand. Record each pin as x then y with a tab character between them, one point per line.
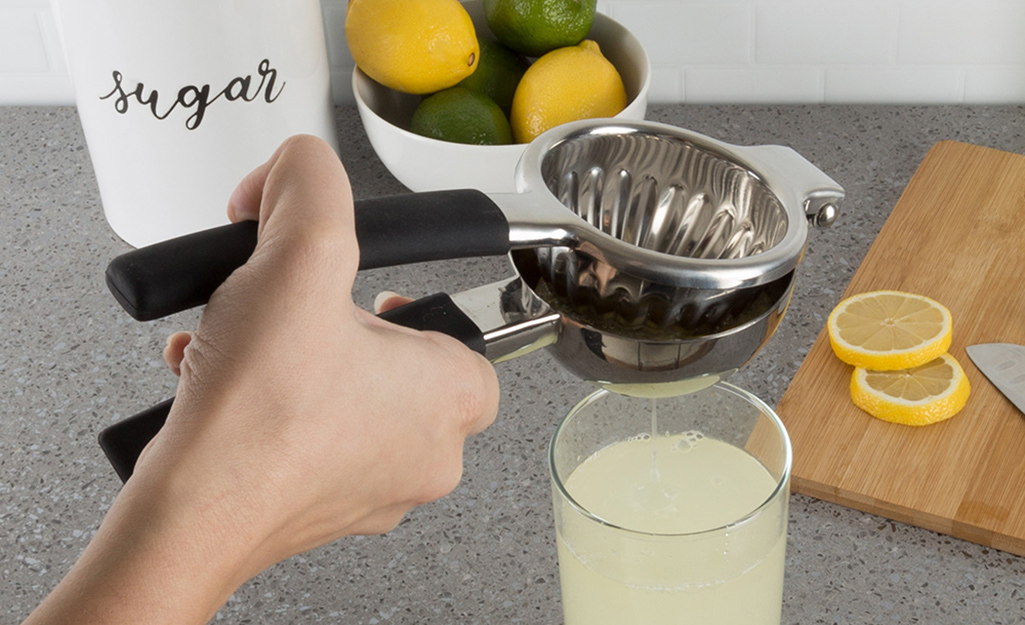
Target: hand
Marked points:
299	418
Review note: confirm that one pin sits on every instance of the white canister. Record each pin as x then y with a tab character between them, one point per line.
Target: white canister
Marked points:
180	99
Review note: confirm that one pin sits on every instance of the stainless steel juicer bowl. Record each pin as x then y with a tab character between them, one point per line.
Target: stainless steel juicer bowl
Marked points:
688	266
674	207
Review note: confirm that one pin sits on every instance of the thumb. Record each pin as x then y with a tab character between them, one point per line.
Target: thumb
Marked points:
302	192
304	180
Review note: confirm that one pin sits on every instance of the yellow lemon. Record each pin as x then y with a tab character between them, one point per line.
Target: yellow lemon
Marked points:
414	46
564	85
920	395
889	330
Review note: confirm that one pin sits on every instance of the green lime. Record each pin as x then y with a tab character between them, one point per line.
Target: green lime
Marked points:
460	115
533	27
498	72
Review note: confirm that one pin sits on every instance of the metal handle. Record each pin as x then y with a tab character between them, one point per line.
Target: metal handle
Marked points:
805	184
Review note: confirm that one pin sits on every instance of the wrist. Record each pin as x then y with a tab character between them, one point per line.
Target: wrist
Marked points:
154	560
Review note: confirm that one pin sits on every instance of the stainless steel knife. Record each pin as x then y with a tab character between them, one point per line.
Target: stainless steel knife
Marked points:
1004	365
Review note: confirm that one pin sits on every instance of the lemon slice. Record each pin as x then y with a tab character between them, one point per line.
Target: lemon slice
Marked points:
889	330
921	395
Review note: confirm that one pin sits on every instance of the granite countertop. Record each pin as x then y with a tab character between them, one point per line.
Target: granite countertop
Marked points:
71	363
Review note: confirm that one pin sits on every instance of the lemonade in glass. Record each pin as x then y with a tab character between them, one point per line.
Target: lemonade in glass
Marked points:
671	510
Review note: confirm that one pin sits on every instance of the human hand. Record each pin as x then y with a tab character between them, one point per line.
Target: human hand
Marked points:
283	362
299	418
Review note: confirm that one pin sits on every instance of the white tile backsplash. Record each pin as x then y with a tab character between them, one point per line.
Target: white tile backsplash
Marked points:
895	84
22	50
666	84
955	32
995	83
753	85
709	51
701	33
826	33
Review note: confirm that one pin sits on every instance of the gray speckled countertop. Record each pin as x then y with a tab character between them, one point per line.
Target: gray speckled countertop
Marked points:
71	362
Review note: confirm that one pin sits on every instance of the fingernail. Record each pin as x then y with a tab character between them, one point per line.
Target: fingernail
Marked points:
383	297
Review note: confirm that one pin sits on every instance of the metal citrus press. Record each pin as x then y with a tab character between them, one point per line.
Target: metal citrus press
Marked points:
648	259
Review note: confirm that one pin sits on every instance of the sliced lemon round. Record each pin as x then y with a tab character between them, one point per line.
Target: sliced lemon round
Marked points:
889	330
920	395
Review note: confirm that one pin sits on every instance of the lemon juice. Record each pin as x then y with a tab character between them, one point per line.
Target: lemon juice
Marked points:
681	528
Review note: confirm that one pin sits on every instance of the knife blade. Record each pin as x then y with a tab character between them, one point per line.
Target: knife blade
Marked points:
1004	365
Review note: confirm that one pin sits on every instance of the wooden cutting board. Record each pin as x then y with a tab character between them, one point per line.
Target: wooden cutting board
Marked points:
957	235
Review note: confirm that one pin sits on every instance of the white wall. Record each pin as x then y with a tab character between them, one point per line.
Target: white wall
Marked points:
707	51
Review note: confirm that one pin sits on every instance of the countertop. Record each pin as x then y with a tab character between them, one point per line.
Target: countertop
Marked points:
72	362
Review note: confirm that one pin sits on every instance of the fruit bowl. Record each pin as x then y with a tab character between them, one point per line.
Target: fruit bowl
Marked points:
424	164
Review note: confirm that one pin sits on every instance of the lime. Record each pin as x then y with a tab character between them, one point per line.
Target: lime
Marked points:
565	85
534	27
498	72
460	115
413	46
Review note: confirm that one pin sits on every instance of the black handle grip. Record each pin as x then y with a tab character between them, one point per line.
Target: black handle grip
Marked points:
437	225
182	273
124	441
438	313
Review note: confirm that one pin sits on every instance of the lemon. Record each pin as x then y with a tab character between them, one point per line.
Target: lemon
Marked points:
463	116
534	27
414	46
565	85
498	72
928	393
889	330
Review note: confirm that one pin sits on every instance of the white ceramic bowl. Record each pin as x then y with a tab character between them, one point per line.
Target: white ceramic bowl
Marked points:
424	164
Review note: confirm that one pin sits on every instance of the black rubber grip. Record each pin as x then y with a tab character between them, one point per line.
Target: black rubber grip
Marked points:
420	227
124	441
182	273
438	313
179	274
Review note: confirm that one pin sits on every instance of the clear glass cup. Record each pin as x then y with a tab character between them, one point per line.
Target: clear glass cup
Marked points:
686	526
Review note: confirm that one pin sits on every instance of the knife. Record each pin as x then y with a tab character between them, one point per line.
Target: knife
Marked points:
1004	365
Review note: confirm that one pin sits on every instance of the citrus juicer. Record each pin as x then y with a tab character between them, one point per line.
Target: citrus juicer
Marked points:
649	259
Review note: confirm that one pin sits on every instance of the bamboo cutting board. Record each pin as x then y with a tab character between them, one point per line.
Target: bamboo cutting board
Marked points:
957	235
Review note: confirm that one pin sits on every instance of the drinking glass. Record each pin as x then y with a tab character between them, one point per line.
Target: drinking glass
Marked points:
671	510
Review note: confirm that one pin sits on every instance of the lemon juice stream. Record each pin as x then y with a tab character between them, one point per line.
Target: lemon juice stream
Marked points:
669	547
